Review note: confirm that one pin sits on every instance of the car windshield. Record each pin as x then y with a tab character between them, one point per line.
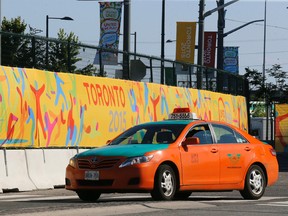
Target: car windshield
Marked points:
149	134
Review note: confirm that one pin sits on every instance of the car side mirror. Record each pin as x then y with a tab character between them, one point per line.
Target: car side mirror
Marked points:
191	141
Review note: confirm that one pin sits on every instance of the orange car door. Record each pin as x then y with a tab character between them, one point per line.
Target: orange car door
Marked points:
200	162
235	154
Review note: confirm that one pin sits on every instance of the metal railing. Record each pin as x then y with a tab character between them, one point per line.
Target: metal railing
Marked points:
29	51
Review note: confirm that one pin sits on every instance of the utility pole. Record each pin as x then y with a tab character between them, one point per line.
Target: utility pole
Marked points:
202	16
220	41
126	40
162	43
200	44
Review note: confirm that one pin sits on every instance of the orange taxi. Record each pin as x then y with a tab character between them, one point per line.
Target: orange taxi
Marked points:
172	158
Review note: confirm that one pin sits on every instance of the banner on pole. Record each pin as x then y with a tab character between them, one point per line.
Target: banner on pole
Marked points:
209	49
230	60
110	20
185	41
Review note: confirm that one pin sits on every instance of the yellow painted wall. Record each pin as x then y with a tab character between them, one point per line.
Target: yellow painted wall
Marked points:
45	109
281	127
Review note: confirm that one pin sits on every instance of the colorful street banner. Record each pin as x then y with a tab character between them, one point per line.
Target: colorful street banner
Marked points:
185	41
281	127
230	60
41	109
209	49
110	20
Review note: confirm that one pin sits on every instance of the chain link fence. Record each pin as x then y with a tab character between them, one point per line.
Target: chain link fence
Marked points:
31	51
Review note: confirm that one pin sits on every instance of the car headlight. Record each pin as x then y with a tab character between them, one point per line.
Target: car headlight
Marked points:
136	160
72	162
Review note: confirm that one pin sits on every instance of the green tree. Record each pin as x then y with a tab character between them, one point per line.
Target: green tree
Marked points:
273	88
12	47
63	55
20	50
63	52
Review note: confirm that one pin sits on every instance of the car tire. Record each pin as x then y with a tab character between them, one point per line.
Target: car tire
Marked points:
182	195
164	183
255	183
88	195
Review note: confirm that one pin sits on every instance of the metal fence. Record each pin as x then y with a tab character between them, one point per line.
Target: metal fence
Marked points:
30	51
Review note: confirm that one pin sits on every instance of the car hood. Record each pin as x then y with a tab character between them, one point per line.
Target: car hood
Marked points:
123	150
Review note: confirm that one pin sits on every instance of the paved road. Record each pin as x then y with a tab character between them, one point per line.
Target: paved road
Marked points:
59	202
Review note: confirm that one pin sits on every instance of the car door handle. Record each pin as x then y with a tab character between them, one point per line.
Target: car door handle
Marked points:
247	148
214	150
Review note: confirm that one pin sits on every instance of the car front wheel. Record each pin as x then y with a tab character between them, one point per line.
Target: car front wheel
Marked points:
164	184
88	195
255	183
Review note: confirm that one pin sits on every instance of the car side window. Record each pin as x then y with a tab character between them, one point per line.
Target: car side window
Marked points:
224	134
240	138
202	132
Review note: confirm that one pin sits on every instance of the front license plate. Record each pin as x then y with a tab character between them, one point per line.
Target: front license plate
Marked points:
92	175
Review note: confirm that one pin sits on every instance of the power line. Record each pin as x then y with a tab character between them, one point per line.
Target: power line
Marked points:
271	26
256	53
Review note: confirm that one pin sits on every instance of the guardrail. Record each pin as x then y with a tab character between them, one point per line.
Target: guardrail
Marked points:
30	51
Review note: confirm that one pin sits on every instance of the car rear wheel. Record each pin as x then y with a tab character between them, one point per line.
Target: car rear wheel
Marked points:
255	183
88	195
164	183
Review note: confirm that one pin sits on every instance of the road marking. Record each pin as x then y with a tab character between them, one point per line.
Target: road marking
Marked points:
282	204
235	200
4	197
28	198
123	209
200	199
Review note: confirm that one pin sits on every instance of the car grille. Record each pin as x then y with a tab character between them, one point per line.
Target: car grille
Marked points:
104	164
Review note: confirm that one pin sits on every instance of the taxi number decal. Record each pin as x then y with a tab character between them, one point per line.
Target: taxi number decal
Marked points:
180	116
92	175
194	158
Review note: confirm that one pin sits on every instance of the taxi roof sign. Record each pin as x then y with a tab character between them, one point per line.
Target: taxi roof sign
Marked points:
181	110
183	113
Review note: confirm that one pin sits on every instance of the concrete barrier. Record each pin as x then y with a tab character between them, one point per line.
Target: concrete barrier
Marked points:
16	176
33	169
2	169
56	161
36	162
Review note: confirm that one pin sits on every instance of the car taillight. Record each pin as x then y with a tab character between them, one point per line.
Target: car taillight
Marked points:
273	152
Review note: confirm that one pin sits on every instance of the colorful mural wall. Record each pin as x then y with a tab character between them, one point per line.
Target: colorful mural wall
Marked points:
42	109
281	127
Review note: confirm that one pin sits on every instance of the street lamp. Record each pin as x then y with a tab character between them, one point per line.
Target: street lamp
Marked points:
171	41
47	31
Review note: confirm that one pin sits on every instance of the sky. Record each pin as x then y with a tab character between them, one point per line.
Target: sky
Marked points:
146	22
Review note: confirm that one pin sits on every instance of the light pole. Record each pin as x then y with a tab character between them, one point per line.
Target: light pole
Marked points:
200	43
221	35
264	76
135	42
162	43
202	16
126	39
47	32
